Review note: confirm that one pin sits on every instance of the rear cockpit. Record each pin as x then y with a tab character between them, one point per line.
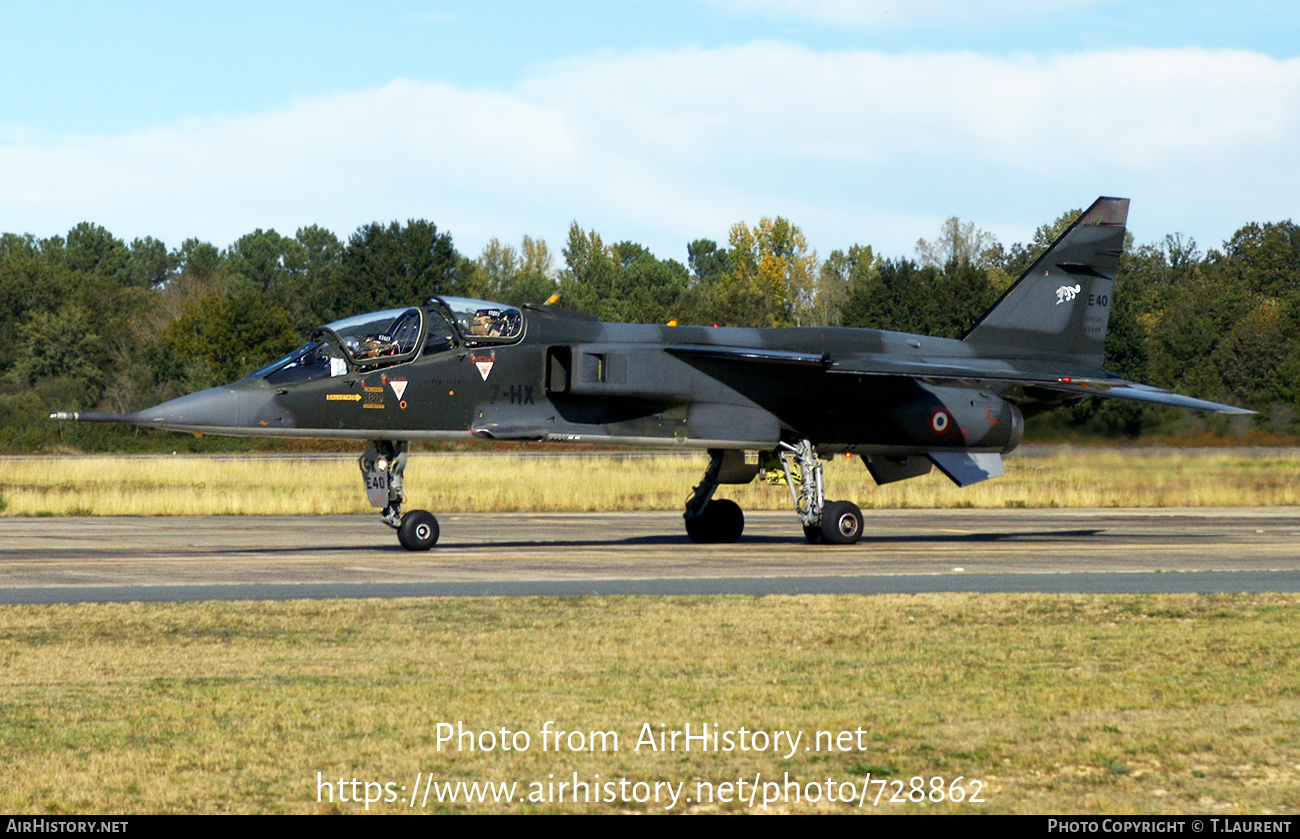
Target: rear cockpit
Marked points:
482	322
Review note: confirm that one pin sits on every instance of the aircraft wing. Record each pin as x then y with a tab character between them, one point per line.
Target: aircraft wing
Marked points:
1078	381
751	354
1138	392
1074	382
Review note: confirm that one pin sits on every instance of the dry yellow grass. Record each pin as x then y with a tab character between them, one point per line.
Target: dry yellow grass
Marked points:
194	485
1062	704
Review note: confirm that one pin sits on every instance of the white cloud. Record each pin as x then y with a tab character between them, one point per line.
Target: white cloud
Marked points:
665	146
885	14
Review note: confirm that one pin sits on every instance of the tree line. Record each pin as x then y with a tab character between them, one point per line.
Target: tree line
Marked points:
96	323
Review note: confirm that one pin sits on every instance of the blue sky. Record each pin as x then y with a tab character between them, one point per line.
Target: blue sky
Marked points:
862	122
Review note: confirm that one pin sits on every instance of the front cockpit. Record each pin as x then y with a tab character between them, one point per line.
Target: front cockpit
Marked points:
379	338
397	336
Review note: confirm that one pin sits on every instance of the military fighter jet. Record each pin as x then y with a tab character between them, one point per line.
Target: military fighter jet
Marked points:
775	401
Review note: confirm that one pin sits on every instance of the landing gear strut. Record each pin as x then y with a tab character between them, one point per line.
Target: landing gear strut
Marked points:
709	521
833	522
382	466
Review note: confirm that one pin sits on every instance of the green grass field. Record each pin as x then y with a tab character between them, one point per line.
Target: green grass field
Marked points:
1039	704
487	482
1055	704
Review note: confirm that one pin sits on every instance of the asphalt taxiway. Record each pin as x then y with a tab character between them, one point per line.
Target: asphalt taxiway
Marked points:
57	560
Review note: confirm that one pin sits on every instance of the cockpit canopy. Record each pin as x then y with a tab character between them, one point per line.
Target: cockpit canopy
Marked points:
396	336
378	338
481	321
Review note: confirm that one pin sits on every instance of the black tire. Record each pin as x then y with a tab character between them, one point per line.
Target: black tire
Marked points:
730	520
418	531
720	522
841	523
813	533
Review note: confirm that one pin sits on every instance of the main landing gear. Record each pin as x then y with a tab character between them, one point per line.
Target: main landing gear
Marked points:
708	521
830	522
382	466
824	522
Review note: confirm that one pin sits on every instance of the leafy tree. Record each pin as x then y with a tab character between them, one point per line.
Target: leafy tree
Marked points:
902	296
707	261
150	265
273	264
321	248
494	271
394	265
836	279
201	260
770	278
958	243
322	254
513	276
90	249
894	296
1262	258
62	353
1017	260
646	289
535	282
588	277
1248	359
623	282
30	281
222	338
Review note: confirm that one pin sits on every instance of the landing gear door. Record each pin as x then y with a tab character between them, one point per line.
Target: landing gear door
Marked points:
381	468
376	484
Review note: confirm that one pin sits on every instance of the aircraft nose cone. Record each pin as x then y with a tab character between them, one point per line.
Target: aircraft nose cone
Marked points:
218	407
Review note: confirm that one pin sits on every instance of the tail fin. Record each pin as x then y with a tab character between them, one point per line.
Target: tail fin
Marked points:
1060	307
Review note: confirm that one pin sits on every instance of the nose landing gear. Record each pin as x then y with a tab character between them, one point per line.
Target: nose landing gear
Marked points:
382	466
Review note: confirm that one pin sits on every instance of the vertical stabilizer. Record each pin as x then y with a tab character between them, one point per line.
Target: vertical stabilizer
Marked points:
1060	307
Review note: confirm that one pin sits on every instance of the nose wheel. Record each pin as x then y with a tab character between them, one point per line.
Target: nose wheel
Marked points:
418	531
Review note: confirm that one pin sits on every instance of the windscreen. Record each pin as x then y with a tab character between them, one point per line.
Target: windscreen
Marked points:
317	360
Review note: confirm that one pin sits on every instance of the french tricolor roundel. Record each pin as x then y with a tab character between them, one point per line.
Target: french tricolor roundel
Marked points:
939	421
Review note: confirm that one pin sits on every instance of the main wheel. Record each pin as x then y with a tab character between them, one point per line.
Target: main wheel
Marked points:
841	523
813	533
418	531
721	521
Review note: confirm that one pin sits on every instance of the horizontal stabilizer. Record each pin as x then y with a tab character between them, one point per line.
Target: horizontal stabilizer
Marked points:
965	468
